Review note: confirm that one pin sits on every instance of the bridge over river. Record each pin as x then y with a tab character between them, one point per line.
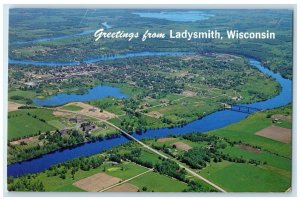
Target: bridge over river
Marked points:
242	108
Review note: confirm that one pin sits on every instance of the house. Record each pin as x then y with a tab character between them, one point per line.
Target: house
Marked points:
88	128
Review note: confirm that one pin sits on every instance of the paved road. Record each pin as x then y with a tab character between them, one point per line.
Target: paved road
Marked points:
149	148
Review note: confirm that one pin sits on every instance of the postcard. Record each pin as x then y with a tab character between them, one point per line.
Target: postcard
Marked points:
149	100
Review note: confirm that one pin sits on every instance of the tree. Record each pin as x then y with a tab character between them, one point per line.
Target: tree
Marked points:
73	171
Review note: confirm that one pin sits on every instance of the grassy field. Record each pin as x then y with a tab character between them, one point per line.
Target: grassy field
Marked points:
158	183
105	131
56	123
23	126
245	131
72	107
274	172
186	109
270	159
149	156
109	104
56	184
27	122
177	139
267	88
235	177
24	95
125	171
272	175
42	113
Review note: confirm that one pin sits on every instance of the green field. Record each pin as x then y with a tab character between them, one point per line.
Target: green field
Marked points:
109	104
245	131
28	122
186	109
23	126
164	90
149	156
23	96
158	183
56	184
270	159
274	171
125	171
56	123
72	107
235	177
105	131
42	113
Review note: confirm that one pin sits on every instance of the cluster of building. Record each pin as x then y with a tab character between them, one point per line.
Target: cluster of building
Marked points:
33	77
83	125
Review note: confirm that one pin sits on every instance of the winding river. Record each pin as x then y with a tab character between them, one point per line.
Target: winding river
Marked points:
96	59
210	122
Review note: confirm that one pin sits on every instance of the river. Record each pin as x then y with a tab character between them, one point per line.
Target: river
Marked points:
96	59
210	122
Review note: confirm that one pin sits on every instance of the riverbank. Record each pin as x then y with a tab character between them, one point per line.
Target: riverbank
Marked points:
252	162
211	122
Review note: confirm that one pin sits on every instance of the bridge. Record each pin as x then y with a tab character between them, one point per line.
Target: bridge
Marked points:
130	137
241	108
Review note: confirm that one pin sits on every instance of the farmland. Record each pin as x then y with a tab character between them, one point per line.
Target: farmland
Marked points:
123	171
28	122
246	178
236	166
245	131
83	113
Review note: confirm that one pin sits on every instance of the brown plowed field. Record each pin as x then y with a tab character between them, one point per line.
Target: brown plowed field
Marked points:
276	133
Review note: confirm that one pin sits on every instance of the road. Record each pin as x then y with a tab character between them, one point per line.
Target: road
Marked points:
125	181
147	147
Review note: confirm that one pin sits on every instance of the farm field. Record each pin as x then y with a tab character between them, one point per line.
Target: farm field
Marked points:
96	182
246	130
155	182
157	115
240	168
121	172
246	178
27	122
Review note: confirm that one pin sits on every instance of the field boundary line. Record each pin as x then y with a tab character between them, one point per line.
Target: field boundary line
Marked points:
125	181
153	150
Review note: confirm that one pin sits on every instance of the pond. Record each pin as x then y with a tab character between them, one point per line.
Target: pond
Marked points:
97	92
210	122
